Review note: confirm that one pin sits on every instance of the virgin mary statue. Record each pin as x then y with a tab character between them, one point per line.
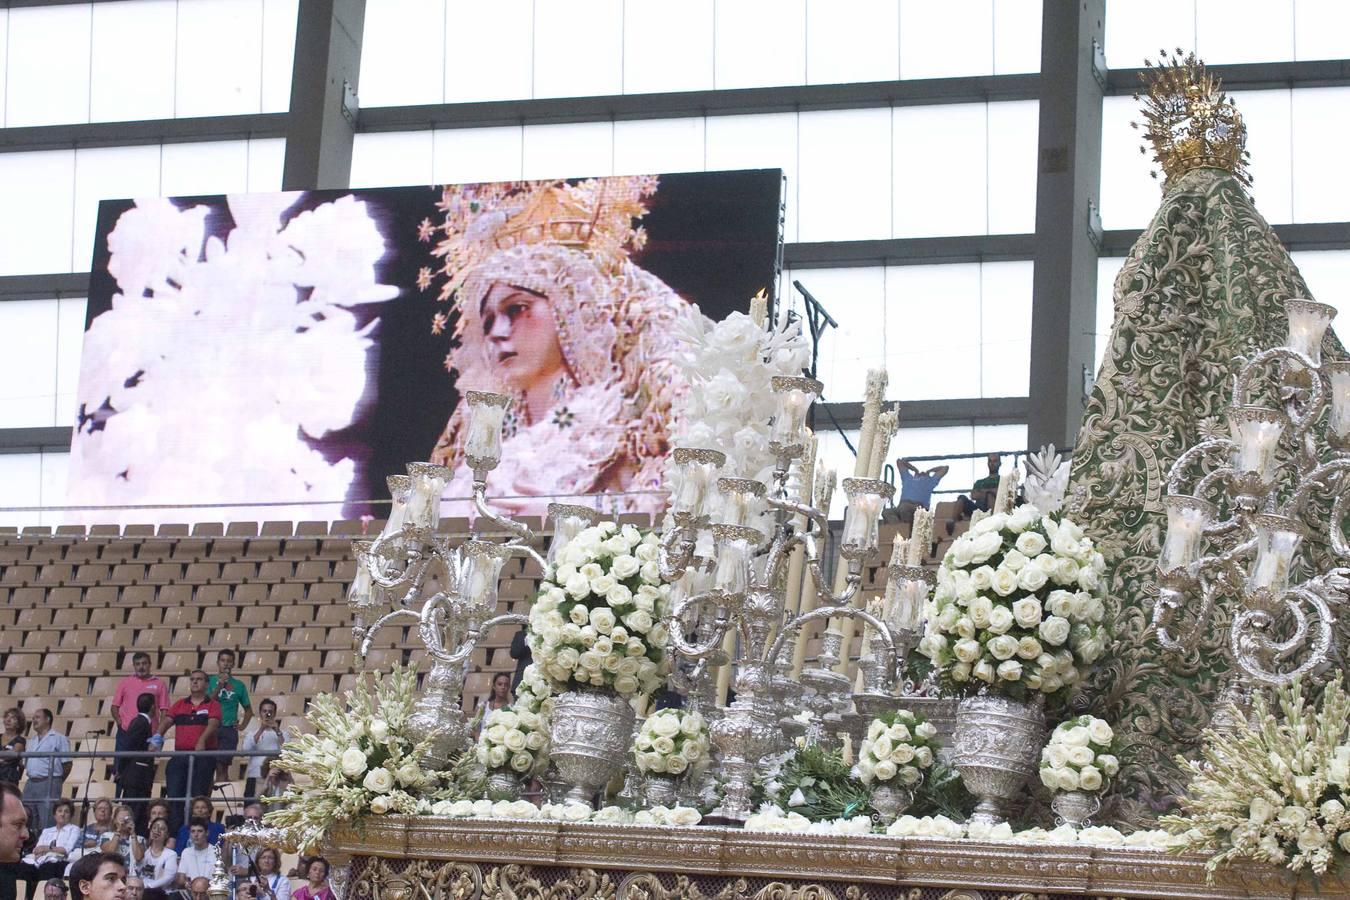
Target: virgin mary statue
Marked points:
546	306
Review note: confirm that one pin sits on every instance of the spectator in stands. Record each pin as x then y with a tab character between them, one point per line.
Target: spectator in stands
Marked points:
135	889
198	858
12	743
316	884
46	774
242	858
123	839
157	809
199	888
98	876
159	865
235	710
520	652
916	487
124	703
983	492
136	775
272	884
13	837
498	698
195	720
269	737
102	824
203	809
57	842
54	889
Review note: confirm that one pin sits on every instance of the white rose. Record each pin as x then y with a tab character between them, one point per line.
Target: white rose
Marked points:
497	757
1060	603
626	684
1027	611
897	732
1088	579
624	566
1100	732
1068	779
603	584
965	627
1002	647
379	805
1030	543
1014	560
380	780
986	545
663	724
683	815
522	762
885	770
1028	648
651	572
1054	630
514	740
961	553
577	586
979	610
926	730
967	651
1311	838
1066	571
1109	764
1000	620
1081	756
579	615
984	671
923	757
1075	736
1010	670
639	621
982	579
1057	755
1031	579
1005	582
602	619
353	762
619	595
960	671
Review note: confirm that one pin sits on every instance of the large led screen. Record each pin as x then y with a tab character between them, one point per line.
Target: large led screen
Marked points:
278	355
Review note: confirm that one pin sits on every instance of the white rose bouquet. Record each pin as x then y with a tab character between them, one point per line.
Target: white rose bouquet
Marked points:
671	742
1018	607
534	692
597	618
513	740
1277	791
1081	756
899	746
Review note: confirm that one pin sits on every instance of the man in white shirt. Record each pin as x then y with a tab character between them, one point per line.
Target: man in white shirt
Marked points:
198	859
46	774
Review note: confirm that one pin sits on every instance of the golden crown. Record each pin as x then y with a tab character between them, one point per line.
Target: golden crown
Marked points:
1190	122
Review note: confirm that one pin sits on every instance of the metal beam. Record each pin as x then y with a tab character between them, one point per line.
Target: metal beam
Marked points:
149	131
1252	76
1068	183
683	104
322	122
35	440
44	287
935	413
910	251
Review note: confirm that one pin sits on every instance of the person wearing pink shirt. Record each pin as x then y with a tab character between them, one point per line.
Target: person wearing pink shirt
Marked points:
129	688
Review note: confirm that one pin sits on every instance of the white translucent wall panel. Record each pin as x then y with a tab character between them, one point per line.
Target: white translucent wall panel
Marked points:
660	145
1107	270
36	199
1242	31
1129	196
955	37
48	65
278	53
837	455
758	142
477	154
489	51
1017	36
1138	29
853	41
108	173
856	299
21	486
1320	115
218	167
1013	134
667	46
559	151
578	48
69	343
266	160
760	43
28	354
219	57
53	475
132	66
1267	114
940	170
1327	273
4	58
394	158
933	331
403	52
844	164
1321	29
1005	329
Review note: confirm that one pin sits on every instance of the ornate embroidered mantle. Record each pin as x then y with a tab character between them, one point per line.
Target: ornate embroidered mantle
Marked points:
464	859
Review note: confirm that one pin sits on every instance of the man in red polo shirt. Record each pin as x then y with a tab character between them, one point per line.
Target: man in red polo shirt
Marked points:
195	720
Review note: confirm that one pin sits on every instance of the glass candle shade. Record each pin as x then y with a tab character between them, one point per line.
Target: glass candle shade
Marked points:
1308	322
1338	374
742	501
906	593
736	547
427	484
694	471
483	440
793	398
568	522
480	572
867	497
1277	540
399	487
1187	518
360	595
1256	430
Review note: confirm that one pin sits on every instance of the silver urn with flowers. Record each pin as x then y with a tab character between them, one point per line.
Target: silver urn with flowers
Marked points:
896	754
671	746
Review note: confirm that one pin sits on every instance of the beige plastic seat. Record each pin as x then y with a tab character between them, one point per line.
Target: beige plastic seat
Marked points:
35	617
56	573
29	685
210	595
312	683
274	686
201	573
238	572
163	573
268	636
228	636
219	616
145	617
189	637
313	570
106	616
303	660
60	662
299	614
283	594
98	662
261	661
91	573
326	593
40	640
176	661
180	616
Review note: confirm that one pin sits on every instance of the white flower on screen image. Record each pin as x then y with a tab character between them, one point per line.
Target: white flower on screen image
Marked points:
221	360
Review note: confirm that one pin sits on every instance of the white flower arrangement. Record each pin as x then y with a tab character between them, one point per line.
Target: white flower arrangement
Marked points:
671	742
566	812
513	740
899	746
1277	791
774	819
1080	756
534	693
1018	607
597	618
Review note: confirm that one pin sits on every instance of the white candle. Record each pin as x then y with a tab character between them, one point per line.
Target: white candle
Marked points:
424	498
1339	375
1308	322
1277	540
793	397
1187	518
920	535
695	470
483	443
398	507
1256	430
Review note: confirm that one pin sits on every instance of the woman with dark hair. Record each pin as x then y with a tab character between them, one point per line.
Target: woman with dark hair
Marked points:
12	743
159	864
316	882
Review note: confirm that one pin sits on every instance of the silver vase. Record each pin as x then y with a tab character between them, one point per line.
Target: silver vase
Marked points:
660	790
997	743
503	785
437	715
589	737
555	789
890	801
1075	808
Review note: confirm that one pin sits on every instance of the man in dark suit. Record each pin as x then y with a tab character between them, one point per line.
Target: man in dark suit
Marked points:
136	775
